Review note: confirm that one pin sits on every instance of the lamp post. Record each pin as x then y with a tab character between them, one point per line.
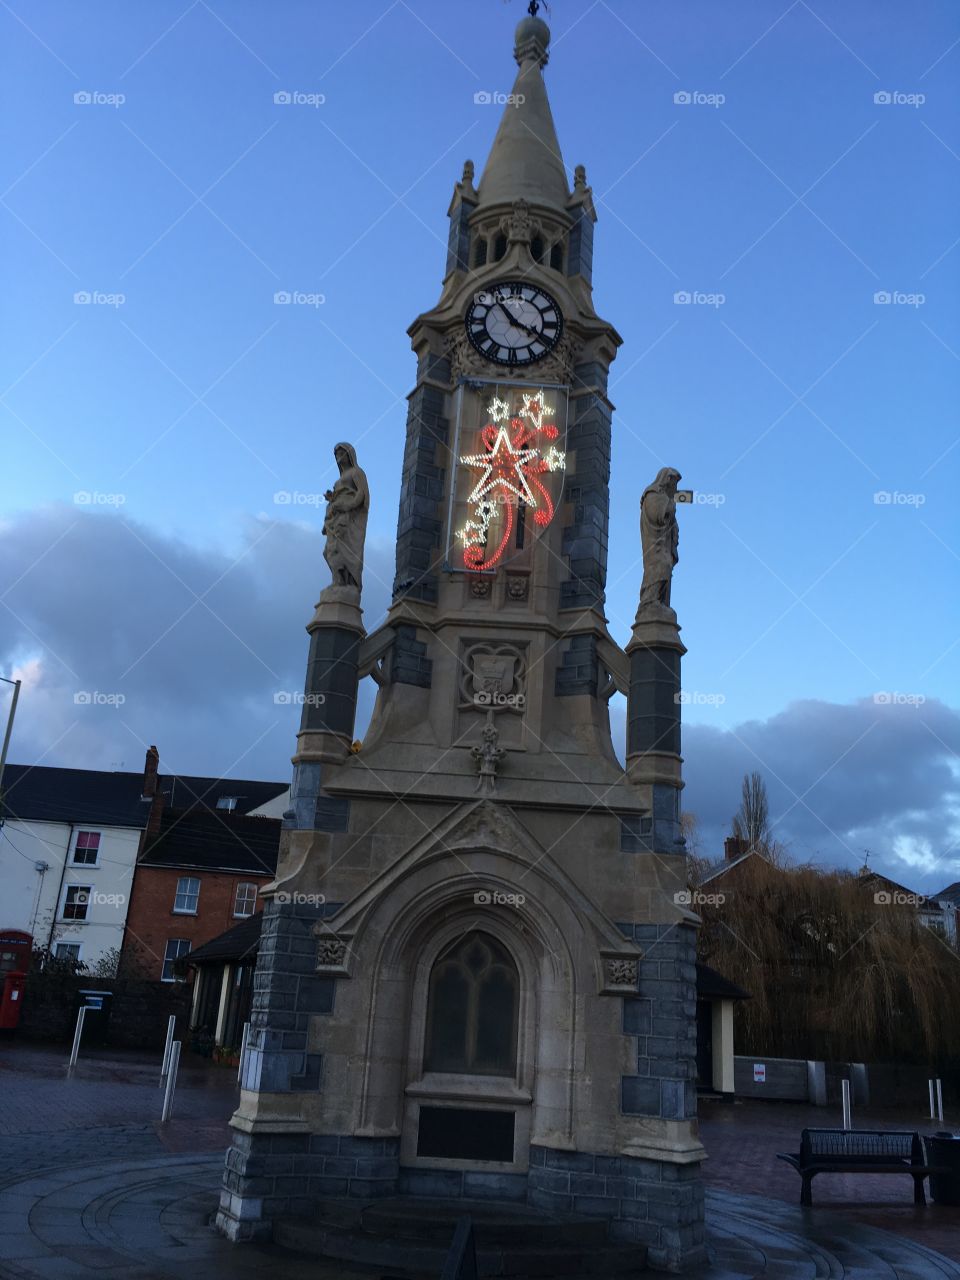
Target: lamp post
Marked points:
6	736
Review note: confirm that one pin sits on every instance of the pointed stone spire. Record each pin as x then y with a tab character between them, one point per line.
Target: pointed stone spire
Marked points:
525	161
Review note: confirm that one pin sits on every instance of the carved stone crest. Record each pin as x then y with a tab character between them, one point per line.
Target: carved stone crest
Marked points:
488	756
493	677
331	952
518	588
518	226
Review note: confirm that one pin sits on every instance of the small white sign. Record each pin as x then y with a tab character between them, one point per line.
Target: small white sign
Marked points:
759	1073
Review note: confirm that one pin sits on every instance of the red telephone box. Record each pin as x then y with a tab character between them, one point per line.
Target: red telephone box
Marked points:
12	999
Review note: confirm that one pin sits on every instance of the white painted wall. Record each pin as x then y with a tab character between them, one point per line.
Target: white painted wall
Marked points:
34	902
274	808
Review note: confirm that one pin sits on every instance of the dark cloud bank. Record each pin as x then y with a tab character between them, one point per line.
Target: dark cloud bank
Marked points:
198	643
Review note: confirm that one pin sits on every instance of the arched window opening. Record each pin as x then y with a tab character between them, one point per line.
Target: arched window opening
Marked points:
480	252
556	256
499	247
536	249
472	1009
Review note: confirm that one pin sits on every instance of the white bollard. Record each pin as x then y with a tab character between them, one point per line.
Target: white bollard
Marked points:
171	1027
845	1087
77	1036
939	1084
243	1050
174	1066
933	1113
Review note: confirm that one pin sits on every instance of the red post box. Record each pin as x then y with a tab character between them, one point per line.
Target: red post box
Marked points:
12	999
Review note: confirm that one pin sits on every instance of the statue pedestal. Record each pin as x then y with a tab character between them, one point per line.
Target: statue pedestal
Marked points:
653	719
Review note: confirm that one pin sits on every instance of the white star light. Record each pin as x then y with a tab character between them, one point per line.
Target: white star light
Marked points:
499	410
518	458
537	415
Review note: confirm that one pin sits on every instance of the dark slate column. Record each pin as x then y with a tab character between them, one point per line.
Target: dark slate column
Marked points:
653	724
420	522
329	702
587	489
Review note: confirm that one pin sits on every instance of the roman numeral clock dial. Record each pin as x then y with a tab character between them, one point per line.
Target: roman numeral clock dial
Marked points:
514	323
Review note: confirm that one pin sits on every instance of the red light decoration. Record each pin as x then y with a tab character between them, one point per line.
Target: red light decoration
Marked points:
513	458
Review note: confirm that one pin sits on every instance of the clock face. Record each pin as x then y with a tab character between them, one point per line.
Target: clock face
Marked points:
514	323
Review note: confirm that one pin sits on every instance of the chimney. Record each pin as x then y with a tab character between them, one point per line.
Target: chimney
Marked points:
733	847
150	767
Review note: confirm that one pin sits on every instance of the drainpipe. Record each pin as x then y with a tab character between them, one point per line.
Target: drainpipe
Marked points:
63	874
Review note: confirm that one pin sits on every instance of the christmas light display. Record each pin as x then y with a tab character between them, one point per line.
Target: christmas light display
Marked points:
517	449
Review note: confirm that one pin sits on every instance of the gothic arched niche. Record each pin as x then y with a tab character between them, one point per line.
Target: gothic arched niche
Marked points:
472	1009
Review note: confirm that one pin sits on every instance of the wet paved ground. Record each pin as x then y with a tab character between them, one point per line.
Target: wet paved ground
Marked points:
90	1188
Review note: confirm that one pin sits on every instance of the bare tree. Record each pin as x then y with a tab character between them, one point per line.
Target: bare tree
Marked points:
751	822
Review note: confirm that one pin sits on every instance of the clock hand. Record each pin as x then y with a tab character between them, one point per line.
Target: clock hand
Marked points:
518	323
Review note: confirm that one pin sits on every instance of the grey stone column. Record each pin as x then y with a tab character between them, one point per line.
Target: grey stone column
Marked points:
653	723
330	702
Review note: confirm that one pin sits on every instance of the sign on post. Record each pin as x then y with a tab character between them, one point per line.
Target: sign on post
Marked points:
759	1073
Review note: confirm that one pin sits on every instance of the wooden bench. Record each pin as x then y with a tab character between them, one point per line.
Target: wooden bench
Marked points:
860	1151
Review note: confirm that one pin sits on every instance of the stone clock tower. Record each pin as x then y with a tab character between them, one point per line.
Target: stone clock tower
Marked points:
476	976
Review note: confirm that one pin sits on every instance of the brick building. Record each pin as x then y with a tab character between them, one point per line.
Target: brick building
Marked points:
208	846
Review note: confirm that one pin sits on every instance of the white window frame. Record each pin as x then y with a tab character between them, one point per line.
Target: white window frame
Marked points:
56	950
86	831
171	960
178	893
80	888
227	803
245	884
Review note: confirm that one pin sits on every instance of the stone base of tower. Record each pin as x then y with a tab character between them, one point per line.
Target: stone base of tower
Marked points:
638	1171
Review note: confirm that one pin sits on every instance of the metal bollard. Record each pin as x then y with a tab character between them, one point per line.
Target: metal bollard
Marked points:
243	1050
171	1027
939	1084
845	1088
174	1066
77	1036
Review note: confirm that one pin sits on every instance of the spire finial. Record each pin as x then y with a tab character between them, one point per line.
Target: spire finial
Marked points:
532	38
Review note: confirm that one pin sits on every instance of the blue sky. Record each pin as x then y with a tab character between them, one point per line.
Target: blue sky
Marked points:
784	187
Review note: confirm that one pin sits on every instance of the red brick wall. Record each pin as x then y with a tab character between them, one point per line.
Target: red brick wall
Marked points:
151	920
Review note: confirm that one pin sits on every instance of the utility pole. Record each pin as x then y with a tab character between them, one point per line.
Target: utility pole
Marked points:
6	736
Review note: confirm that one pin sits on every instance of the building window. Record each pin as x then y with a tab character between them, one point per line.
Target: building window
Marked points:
76	902
556	256
227	802
499	247
176	947
472	1009
536	249
86	852
187	896
480	252
245	902
67	951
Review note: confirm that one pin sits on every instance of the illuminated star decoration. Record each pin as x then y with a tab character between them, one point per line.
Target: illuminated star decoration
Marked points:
512	462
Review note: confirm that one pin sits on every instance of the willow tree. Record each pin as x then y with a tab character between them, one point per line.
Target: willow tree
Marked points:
833	973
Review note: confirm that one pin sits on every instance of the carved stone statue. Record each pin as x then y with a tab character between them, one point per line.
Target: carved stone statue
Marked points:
488	756
345	520
659	536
